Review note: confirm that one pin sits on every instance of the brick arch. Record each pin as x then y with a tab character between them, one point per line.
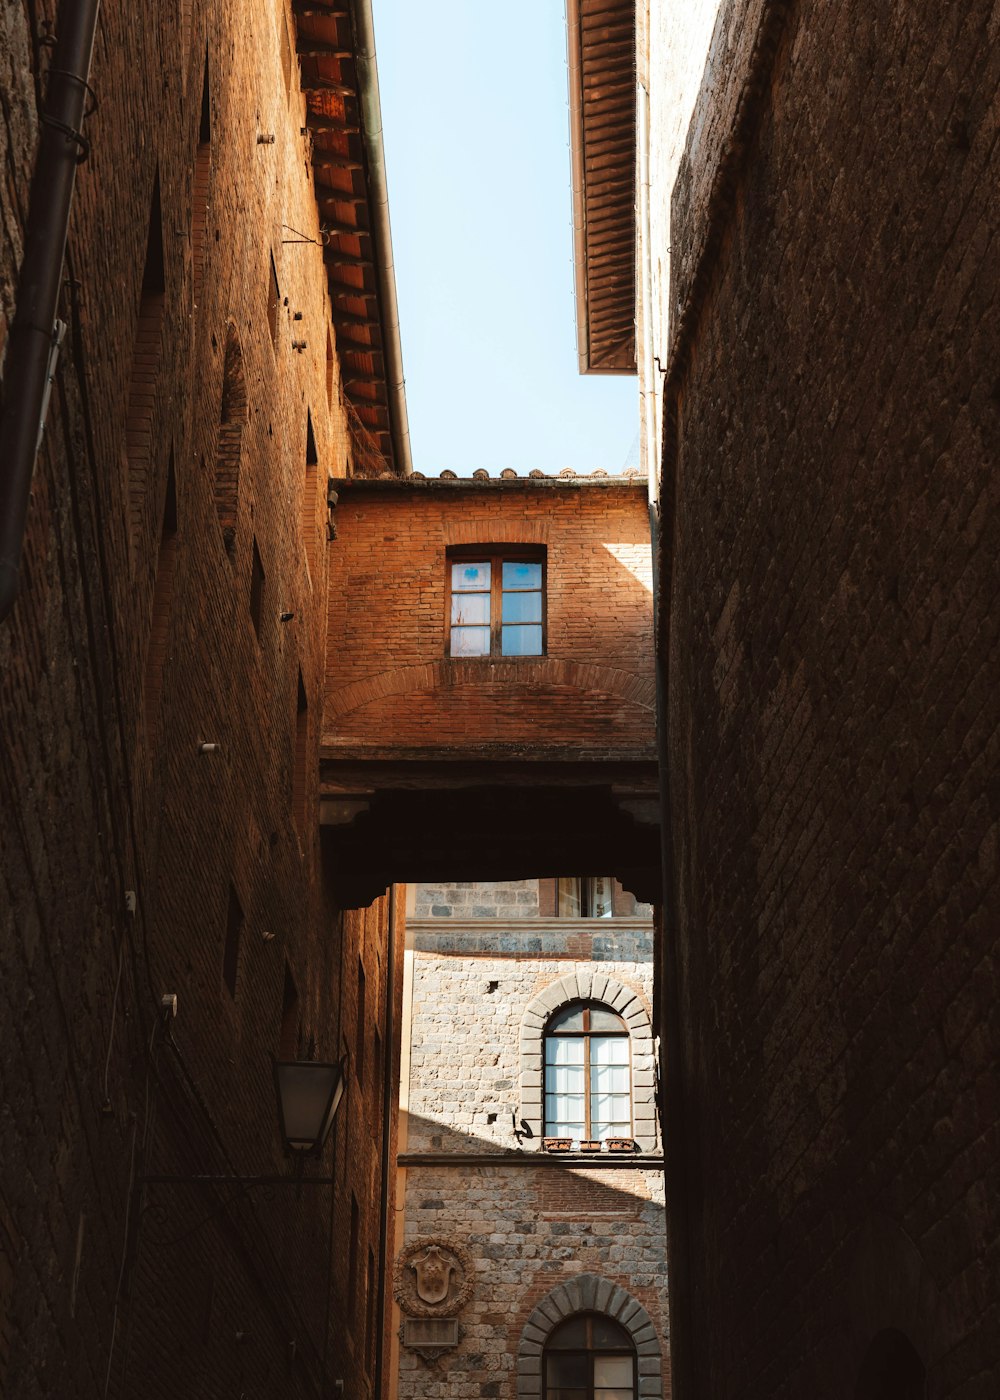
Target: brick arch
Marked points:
495	529
589	1293
590	984
435	675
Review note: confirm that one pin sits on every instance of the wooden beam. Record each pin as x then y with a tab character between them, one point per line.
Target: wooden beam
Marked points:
334	258
339	196
604	106
315	48
325	189
366	381
352	348
355	347
328	85
311	11
347	289
338	229
346	318
613	220
327	126
330	160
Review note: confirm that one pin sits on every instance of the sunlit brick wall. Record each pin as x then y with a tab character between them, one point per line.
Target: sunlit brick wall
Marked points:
110	680
390	684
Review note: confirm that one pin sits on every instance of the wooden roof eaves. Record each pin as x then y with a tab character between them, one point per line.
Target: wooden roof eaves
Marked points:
601	60
336	46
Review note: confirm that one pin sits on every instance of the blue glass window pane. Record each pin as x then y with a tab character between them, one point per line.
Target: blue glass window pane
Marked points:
521	575
470	641
522	607
521	641
470	578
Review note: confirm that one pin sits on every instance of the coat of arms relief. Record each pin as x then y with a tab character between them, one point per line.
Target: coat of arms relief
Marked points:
432	1282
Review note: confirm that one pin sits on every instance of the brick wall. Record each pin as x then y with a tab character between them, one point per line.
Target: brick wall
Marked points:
109	682
528	1226
389	684
830	539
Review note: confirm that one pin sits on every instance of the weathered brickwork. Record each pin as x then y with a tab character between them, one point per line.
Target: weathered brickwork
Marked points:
390	685
830	533
530	1225
110	682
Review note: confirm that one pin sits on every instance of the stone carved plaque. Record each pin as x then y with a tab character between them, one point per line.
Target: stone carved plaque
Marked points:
430	1337
433	1278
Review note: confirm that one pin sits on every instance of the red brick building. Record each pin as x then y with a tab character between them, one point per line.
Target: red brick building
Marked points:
230	719
161	690
489	710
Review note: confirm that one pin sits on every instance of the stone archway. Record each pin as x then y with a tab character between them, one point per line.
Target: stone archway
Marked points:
589	1293
590	984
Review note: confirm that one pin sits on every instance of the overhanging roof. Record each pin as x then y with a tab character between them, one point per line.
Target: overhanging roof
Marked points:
600	38
336	50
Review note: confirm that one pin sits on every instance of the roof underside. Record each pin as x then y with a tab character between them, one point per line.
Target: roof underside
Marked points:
326	48
601	52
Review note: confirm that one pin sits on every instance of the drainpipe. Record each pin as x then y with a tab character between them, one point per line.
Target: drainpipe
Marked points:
387	1063
35	334
371	125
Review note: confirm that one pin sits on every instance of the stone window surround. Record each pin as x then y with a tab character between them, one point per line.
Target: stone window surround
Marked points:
586	984
589	1293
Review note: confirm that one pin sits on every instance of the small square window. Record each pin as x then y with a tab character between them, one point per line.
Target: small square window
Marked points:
496	603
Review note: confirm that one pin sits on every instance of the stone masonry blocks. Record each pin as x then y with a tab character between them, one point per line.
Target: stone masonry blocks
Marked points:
550	1236
584	1293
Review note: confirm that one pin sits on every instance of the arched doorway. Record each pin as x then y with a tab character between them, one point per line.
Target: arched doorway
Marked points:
891	1369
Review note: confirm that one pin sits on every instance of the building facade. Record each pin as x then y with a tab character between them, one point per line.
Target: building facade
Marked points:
530	1158
813	196
490	701
161	685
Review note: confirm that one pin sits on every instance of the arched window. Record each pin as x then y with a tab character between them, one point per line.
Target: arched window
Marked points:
587	1074
891	1370
589	1357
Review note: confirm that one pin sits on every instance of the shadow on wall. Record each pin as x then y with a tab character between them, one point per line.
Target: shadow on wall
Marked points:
602	1181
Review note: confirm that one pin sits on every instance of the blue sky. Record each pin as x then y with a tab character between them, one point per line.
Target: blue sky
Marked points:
474	109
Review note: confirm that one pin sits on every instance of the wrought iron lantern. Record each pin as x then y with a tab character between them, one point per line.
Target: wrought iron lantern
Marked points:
309	1094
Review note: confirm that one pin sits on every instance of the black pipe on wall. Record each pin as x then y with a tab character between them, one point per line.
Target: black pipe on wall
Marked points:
61	148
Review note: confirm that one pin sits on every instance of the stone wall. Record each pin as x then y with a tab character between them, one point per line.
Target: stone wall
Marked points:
829	527
501	899
530	1222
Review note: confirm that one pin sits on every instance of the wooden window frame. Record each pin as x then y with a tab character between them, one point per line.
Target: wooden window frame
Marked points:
590	1352
496	555
552	1130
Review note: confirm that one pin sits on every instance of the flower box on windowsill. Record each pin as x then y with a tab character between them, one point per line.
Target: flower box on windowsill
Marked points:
620	1144
557	1144
593	1145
